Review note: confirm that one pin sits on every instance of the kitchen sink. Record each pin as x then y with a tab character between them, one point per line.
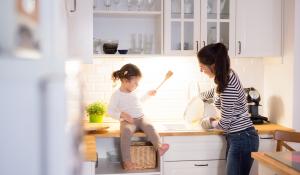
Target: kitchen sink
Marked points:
182	126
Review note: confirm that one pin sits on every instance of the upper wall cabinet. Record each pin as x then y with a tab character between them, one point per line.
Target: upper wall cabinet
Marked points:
217	23
136	25
258	28
80	29
182	26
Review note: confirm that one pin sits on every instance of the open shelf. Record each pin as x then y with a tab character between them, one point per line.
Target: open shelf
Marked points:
95	56
126	13
105	167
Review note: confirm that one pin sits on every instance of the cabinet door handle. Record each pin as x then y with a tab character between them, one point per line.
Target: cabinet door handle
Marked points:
203	43
201	165
197	45
75	6
240	47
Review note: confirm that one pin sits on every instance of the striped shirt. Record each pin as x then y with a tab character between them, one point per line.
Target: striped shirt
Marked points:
232	104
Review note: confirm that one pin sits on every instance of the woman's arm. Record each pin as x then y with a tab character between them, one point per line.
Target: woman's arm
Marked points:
207	94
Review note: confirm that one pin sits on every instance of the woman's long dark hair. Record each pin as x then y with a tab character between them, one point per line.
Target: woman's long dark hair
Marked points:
126	72
216	54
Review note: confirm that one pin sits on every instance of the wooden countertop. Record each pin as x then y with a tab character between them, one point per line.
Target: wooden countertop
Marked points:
274	164
90	149
113	131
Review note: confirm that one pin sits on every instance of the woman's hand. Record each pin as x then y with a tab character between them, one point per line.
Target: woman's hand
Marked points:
206	123
152	93
126	117
209	122
214	122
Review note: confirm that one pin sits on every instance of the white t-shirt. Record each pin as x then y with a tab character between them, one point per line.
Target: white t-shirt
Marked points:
126	102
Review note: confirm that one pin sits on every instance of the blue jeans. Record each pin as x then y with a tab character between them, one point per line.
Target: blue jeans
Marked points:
239	148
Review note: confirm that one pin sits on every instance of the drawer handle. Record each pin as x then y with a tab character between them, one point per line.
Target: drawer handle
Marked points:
267	138
201	165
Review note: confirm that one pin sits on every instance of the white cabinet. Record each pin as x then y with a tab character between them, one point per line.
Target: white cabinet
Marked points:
136	25
88	168
182	26
213	167
218	23
80	29
195	148
191	155
258	28
266	144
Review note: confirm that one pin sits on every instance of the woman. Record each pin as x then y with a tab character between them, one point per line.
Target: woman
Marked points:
229	98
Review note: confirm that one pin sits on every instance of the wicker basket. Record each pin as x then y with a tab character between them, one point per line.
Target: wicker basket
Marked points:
143	154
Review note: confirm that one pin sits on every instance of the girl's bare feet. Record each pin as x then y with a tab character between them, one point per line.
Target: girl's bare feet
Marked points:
163	149
128	165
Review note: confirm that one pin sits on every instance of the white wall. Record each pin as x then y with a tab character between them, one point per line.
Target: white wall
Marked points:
172	98
280	85
296	117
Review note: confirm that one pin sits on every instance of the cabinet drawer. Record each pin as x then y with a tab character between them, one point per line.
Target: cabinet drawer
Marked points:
214	167
195	148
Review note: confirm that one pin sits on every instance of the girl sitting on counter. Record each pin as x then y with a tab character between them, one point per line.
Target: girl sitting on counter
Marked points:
126	106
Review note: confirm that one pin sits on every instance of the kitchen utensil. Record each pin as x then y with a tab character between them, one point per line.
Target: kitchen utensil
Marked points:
140	3
123	51
96	45
110	47
167	76
150	4
148	43
116	2
131	4
107	4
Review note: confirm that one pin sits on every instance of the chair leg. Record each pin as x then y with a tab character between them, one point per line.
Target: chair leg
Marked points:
279	145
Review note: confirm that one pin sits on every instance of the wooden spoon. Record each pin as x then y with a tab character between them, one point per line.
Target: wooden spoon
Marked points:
167	76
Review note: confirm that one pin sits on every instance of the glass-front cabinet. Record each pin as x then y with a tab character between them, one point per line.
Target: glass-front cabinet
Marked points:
217	23
182	27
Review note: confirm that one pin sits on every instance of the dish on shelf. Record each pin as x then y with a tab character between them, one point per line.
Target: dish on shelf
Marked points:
110	47
135	51
123	51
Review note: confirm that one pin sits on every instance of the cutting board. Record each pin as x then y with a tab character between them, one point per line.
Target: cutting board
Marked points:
95	126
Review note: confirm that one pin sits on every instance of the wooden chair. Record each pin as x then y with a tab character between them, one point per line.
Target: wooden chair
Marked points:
286	136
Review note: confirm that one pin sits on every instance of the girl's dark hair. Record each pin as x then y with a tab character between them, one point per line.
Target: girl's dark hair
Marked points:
126	72
216	54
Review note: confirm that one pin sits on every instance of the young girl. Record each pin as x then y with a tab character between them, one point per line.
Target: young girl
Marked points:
229	97
126	107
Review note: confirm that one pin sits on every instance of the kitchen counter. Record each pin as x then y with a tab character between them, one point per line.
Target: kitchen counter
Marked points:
90	150
283	164
113	131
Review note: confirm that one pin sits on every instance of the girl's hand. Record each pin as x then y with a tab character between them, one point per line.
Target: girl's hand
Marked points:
152	93
126	117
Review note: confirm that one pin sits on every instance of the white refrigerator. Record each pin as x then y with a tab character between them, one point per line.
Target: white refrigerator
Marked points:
40	134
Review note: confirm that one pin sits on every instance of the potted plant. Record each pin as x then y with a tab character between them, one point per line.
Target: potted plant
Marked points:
96	112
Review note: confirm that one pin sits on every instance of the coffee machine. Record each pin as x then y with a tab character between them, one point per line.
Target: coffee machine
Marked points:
253	99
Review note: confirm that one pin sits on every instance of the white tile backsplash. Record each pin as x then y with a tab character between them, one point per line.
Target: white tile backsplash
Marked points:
173	96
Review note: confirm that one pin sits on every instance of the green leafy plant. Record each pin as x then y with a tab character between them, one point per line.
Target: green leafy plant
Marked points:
96	111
